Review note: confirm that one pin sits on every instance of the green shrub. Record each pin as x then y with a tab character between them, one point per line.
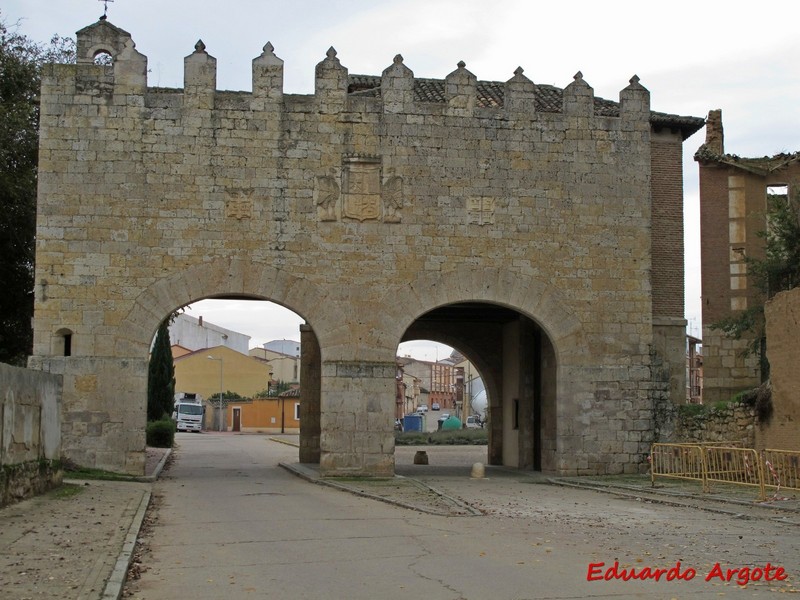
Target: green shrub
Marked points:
458	437
461	437
691	410
721	406
161	434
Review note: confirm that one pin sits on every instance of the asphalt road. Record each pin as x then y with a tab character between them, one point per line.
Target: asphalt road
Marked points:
230	523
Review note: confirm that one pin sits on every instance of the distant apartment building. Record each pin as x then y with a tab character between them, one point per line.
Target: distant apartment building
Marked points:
196	334
288	347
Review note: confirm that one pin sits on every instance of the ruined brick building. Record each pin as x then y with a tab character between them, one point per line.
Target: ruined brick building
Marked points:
734	193
538	230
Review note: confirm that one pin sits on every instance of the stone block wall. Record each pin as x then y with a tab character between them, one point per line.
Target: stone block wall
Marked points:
735	422
360	207
782	430
30	433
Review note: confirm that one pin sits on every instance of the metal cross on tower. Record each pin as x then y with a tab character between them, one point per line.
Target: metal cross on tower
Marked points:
105	9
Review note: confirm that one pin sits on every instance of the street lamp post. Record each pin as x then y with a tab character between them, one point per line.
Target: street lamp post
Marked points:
221	389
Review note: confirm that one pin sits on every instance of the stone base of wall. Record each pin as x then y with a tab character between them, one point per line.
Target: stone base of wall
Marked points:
21	481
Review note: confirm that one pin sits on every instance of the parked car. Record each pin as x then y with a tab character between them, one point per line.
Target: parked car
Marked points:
474	422
435	406
422	408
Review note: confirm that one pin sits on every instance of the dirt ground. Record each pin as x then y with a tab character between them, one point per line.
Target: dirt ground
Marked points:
65	543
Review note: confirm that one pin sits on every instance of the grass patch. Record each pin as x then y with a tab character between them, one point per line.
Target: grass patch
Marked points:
459	437
74	471
66	491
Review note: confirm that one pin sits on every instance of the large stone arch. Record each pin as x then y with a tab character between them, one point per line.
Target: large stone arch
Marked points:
218	277
550	343
541	301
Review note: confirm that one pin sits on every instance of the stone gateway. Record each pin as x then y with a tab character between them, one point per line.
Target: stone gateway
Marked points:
538	230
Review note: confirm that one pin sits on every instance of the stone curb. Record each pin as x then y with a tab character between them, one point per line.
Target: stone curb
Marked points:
113	589
309	474
283	441
158	469
671	497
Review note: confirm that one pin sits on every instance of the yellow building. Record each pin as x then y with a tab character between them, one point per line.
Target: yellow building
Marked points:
235	372
267	415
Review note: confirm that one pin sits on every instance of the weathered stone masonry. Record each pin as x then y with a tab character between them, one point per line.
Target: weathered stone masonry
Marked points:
363	207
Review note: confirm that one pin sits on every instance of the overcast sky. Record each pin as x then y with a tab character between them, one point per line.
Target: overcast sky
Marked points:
692	56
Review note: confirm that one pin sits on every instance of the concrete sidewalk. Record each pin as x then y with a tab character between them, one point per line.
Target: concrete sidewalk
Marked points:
76	541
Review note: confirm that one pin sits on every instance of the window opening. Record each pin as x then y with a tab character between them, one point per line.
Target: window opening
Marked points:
104	58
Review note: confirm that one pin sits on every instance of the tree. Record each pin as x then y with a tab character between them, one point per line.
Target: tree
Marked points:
161	376
21	61
777	271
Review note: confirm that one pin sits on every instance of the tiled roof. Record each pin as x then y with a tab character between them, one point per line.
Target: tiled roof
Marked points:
290	393
760	166
490	94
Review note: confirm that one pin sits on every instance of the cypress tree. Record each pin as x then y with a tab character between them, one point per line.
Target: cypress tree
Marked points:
161	376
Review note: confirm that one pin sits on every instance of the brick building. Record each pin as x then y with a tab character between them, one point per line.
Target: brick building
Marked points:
733	204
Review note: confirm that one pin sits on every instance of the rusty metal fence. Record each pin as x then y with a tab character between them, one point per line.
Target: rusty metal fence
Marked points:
726	463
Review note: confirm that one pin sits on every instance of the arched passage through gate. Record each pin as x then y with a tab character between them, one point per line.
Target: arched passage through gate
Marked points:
517	363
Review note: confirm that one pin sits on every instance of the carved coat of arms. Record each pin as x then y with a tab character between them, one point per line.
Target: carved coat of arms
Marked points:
362	190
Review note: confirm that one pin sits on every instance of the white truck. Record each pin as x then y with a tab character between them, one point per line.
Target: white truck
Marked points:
188	412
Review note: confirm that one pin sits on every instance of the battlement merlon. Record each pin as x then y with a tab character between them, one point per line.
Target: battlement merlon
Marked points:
460	93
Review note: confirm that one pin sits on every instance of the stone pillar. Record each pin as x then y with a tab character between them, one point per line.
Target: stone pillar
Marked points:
634	102
579	97
268	76
330	84
460	89
397	87
715	134
310	372
199	78
528	358
669	342
520	96
357	419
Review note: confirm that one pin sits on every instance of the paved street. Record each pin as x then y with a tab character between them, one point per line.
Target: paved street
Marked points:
230	523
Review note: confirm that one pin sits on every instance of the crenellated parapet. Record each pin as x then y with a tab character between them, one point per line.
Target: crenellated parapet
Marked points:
459	94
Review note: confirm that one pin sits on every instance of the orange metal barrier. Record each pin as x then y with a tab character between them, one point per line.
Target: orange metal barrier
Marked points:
740	466
677	461
782	469
728	464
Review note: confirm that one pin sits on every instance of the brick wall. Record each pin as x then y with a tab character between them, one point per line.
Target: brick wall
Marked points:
667	189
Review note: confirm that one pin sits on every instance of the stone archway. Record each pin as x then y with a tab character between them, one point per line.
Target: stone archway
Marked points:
521	349
220	277
343	206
